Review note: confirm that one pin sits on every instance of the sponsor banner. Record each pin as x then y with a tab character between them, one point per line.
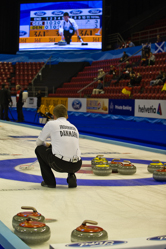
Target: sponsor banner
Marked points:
150	108
72	12
58	38
77	105
54	101
122	107
97	105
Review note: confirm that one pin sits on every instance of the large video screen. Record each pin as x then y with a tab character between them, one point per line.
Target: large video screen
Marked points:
66	25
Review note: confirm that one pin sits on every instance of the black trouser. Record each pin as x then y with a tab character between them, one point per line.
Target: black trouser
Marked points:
19	111
48	161
4	111
68	36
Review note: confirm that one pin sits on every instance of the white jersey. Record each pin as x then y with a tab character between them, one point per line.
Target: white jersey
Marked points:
67	25
64	137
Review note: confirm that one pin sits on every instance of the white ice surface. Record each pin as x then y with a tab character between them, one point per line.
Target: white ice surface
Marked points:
124	212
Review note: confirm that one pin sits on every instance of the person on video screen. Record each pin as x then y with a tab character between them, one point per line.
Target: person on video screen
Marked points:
68	28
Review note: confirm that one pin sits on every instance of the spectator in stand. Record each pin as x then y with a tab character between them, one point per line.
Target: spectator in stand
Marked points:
128	65
126	44
100	74
131	44
124	75
144	60
158	79
158	39
163	80
151	60
122	45
146	48
132	79
99	88
138	79
124	57
112	71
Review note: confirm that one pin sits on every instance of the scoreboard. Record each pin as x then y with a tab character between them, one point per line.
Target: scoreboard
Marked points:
88	21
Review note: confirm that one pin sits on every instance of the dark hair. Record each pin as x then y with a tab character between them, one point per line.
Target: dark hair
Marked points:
66	14
3	85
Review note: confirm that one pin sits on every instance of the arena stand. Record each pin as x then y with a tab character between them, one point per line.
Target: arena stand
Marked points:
20	73
144	91
150	32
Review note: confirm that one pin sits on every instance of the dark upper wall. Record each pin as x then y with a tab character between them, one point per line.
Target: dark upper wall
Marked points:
122	11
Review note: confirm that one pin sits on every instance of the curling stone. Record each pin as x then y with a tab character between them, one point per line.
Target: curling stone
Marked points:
114	165
62	43
98	159
20	217
88	233
127	168
102	169
31	231
156	164
160	174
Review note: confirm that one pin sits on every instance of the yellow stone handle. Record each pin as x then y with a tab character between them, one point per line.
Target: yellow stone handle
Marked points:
100	155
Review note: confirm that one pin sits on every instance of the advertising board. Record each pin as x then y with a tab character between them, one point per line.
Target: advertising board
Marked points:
122	107
150	108
77	105
97	106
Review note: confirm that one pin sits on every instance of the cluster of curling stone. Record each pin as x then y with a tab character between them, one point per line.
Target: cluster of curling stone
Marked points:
126	168
88	233
29	227
100	166
22	216
160	174
115	163
31	231
155	165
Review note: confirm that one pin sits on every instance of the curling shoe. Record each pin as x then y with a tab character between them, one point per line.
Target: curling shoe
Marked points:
72	180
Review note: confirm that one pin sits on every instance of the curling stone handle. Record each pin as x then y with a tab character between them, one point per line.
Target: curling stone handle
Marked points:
117	159
90	222
32	218
100	155
157	161
126	161
29	208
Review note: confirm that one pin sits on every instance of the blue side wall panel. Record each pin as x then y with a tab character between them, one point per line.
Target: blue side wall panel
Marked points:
70	56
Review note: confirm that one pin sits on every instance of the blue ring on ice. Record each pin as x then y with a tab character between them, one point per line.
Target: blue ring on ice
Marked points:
7	171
